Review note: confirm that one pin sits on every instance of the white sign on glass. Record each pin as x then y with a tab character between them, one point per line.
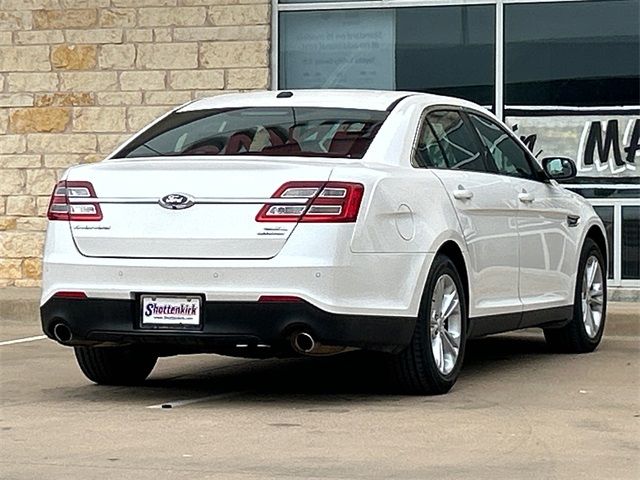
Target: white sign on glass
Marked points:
602	145
334	50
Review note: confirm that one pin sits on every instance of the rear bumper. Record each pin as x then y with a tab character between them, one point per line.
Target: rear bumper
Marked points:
317	266
239	328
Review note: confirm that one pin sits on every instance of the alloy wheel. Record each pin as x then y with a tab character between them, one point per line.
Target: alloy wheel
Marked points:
592	296
445	324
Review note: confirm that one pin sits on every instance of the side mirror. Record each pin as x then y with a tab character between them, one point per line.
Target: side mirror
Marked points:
559	168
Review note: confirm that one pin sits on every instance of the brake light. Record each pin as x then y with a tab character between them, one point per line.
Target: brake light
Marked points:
279	299
72	200
317	202
70	294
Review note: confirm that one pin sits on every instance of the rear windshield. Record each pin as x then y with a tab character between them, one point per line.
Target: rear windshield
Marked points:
299	131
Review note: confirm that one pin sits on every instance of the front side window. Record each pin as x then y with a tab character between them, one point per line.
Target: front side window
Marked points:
456	140
509	158
263	131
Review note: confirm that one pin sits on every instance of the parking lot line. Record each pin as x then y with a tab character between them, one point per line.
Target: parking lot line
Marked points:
616	338
189	401
23	340
622	338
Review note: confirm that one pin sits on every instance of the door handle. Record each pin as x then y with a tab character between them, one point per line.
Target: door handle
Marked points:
526	197
462	194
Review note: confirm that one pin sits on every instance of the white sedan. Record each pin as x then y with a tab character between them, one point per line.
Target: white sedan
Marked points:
314	222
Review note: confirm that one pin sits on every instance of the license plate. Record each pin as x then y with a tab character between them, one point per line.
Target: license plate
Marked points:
170	311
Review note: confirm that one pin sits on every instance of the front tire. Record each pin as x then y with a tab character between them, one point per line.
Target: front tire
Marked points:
584	332
432	361
115	365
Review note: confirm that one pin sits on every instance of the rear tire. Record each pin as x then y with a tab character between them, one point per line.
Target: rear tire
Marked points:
115	365
584	332
432	361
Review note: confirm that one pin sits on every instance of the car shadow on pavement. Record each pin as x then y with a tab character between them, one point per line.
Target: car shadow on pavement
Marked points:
354	376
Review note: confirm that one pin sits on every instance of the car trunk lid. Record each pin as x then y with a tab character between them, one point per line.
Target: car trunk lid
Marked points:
188	208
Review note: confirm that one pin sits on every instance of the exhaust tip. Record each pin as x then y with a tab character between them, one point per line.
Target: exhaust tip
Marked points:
62	333
303	342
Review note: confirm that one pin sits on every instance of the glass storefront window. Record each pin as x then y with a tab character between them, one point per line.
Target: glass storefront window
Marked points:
337	49
447	51
606	215
604	192
557	53
573	53
443	50
319	1
630	242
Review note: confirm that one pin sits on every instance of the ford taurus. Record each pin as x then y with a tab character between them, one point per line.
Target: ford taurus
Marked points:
315	222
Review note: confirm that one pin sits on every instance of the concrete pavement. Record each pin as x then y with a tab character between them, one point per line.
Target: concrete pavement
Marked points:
518	411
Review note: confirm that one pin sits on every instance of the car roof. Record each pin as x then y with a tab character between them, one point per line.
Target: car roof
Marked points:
328	98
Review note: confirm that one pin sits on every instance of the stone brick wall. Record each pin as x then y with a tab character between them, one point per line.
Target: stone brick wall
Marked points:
77	77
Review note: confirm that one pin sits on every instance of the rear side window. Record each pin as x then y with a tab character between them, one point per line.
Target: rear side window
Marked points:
428	152
265	131
509	158
456	141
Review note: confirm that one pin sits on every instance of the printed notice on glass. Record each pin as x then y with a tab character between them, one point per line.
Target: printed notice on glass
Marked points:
335	50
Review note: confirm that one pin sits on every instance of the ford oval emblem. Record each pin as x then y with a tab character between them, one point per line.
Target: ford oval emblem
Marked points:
176	201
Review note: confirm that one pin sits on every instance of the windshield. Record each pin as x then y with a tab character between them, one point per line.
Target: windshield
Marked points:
270	131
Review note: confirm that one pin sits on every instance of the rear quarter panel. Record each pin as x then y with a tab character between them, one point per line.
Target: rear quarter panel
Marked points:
405	211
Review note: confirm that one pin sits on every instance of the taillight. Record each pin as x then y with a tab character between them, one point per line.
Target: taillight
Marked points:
71	200
314	202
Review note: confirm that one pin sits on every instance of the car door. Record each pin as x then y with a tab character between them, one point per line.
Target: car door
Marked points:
546	250
487	212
